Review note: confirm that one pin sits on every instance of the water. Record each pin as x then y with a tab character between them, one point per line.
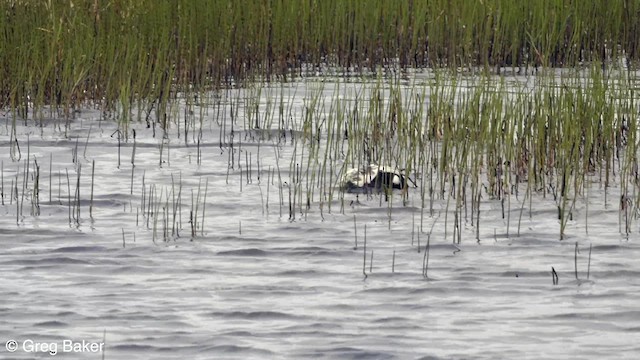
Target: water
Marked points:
253	284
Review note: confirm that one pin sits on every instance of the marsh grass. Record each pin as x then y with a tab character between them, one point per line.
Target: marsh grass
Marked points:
128	55
468	136
467	139
481	137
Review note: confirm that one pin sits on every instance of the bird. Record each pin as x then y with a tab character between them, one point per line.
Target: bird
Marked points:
373	177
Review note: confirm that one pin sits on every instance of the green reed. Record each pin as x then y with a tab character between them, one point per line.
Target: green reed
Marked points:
465	134
138	55
481	137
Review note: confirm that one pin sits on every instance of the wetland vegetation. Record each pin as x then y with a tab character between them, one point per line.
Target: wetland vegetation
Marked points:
143	53
514	100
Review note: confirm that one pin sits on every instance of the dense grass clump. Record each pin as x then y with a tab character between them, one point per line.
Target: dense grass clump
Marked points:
463	133
140	53
469	139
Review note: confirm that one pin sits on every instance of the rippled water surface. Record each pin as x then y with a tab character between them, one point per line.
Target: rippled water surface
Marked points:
252	283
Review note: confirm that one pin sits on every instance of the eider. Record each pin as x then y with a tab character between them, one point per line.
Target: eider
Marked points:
373	177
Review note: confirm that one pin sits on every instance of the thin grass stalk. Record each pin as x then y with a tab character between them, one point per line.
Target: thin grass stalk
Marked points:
425	258
355	233
50	170
364	253
204	205
93	168
575	261
393	262
589	263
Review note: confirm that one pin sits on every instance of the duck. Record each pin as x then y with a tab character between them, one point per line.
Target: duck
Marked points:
373	177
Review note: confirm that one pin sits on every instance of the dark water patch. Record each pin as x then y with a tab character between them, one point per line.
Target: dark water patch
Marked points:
349	353
119	315
133	253
529	239
385	290
50	336
516	274
612	266
80	249
213	174
178	325
37	233
574	316
406	211
48	261
135	347
235	239
108	203
37	268
390	320
379	213
244	252
253	315
301	248
312	232
51	324
611	274
274	292
324	327
257	290
236	349
612	247
303	332
612	294
289	251
312	251
66	313
129	269
466	323
512	274
469	278
270	134
434	246
431	290
105	262
549	213
627	315
322	230
300	273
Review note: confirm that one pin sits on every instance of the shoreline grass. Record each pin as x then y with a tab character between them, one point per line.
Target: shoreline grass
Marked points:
141	54
465	133
467	139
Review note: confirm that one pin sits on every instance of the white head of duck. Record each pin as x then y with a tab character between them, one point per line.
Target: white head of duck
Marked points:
374	177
